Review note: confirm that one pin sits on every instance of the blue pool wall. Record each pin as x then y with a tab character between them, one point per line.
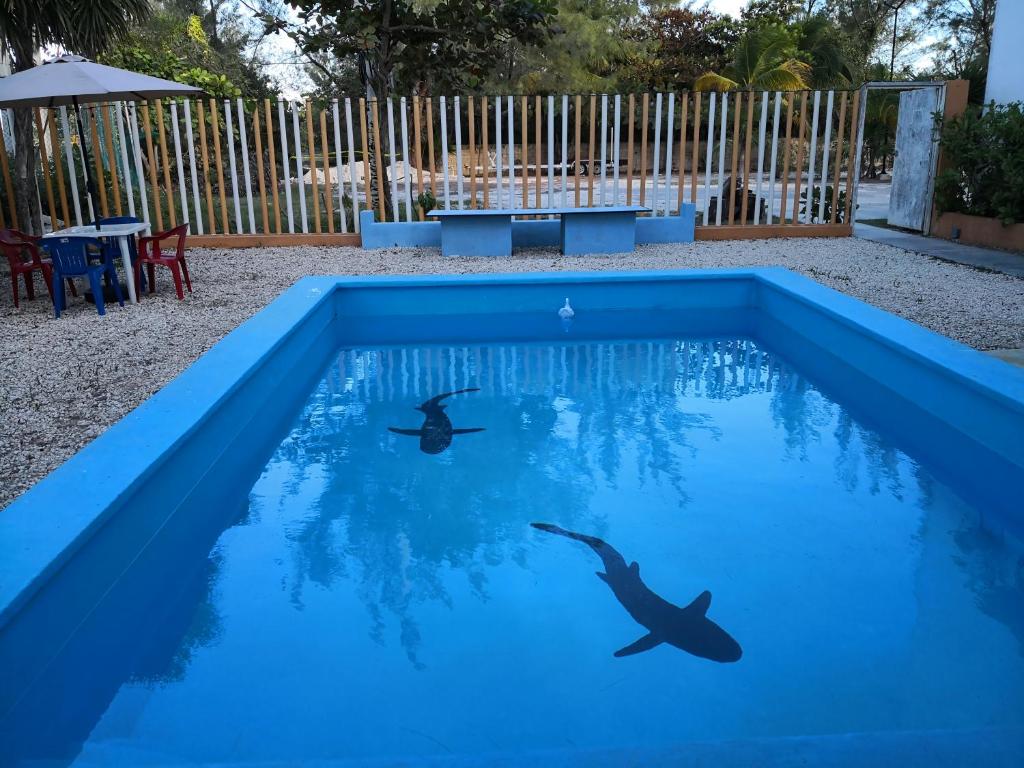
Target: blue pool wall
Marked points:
158	499
525	233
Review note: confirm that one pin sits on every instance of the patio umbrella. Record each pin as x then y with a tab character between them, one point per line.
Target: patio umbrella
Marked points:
75	80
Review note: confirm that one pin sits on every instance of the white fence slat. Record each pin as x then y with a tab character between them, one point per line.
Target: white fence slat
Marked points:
82	139
458	149
339	164
499	149
283	130
510	117
126	169
198	223
604	146
392	164
229	129
300	180
244	138
707	156
133	129
565	150
814	151
183	195
669	143
824	155
352	165
721	158
616	141
72	176
774	157
760	156
551	152
656	162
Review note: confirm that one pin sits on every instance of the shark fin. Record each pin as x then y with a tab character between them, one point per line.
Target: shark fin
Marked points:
645	643
467	431
701	603
602	576
411	432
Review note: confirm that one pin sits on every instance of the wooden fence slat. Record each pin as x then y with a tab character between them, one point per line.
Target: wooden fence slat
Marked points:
683	118
165	164
153	172
325	163
257	135
59	167
695	156
799	156
375	118
350	136
850	170
204	155
839	158
786	150
178	163
590	152
45	163
275	201
108	141
417	140
736	145
99	180
314	175
225	226
367	181
577	112
746	158
282	129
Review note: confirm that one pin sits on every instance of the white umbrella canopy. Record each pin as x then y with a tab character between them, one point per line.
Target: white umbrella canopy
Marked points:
72	80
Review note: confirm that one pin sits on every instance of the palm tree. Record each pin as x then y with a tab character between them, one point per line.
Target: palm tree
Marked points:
87	26
764	60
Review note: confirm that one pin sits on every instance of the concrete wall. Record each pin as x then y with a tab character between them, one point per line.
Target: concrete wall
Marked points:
1005	83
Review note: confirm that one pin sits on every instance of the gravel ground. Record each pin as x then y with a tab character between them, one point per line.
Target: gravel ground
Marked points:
64	381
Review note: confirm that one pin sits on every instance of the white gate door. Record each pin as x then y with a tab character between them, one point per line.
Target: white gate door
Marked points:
914	163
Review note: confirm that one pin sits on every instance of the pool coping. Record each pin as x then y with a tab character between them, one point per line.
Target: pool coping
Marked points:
40	530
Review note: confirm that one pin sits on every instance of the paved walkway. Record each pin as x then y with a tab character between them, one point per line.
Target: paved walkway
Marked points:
971	255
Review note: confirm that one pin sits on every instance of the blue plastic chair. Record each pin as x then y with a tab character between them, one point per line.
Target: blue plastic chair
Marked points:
71	257
110	245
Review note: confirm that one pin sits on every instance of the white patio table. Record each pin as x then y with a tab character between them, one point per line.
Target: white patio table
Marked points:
120	231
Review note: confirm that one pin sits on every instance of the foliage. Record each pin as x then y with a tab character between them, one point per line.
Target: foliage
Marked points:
426	201
816	201
962	50
679	44
983	155
765	58
414	44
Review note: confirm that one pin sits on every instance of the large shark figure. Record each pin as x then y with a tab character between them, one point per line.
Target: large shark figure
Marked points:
436	433
688	629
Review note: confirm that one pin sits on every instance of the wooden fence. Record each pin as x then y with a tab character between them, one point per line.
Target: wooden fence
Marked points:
246	172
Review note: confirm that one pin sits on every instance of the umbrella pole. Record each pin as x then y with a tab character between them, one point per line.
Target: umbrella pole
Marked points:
90	185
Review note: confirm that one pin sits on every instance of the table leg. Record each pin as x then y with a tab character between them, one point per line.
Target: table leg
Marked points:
126	260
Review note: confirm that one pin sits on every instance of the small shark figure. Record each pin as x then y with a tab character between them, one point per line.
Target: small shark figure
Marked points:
688	629
436	433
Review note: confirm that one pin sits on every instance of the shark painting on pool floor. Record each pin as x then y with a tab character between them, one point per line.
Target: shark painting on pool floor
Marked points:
688	629
436	433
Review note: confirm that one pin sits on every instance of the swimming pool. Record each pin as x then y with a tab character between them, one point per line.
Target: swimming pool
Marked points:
365	528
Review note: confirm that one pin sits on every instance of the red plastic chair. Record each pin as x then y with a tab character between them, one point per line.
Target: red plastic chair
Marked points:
25	258
152	256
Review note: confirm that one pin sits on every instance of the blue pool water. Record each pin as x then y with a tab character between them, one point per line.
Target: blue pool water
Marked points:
371	601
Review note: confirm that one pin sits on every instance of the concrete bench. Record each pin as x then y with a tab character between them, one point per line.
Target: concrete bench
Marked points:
484	232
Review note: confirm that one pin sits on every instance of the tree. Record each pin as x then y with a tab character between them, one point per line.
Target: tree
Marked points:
964	40
765	59
85	26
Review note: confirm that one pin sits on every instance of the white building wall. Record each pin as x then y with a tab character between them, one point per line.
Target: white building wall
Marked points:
1005	83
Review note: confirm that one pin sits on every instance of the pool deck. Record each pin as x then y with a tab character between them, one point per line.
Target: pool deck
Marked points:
63	382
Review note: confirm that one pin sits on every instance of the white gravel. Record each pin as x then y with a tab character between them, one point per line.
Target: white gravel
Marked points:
64	381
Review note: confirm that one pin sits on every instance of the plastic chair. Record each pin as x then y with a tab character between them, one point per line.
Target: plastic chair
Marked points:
24	258
111	244
71	258
152	256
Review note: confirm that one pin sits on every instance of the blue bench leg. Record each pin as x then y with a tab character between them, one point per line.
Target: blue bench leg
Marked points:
593	233
97	290
470	236
58	293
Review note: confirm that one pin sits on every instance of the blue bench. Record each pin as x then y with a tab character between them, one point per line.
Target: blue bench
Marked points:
486	232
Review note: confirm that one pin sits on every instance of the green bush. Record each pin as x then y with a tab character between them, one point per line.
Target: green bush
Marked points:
984	157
